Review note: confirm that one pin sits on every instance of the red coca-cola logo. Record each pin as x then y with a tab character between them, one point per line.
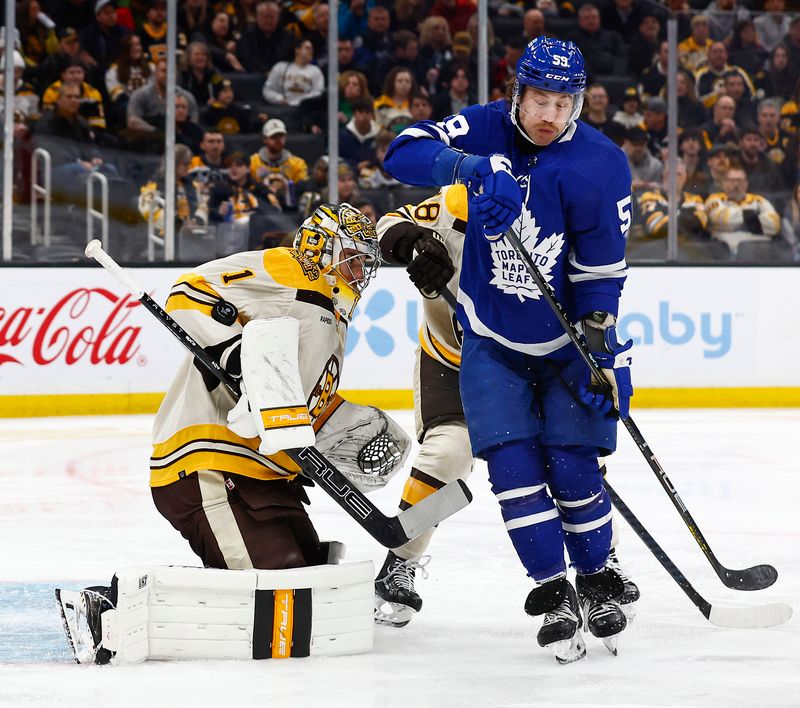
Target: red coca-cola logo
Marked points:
59	333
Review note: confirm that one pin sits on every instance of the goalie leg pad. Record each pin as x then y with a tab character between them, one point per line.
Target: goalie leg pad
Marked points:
167	612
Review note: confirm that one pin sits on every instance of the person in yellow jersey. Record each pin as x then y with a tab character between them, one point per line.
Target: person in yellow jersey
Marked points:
428	238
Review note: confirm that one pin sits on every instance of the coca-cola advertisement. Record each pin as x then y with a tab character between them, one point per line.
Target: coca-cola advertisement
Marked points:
76	331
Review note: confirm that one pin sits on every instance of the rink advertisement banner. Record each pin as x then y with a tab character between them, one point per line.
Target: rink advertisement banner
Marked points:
73	331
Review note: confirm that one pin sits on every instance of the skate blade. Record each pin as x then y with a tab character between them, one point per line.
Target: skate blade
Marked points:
72	608
569	650
610	643
392	614
629	610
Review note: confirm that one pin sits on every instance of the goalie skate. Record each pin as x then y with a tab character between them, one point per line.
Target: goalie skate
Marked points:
396	600
80	614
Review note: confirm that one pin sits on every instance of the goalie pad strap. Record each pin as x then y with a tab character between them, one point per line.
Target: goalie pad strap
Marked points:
168	612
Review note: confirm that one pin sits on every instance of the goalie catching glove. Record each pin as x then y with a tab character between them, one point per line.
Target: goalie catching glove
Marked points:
614	360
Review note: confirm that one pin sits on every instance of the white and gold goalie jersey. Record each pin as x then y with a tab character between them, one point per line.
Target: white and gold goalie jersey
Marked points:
445	213
190	432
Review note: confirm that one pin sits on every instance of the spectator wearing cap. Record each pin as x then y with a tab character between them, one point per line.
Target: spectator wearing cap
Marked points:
357	138
459	95
603	50
654	120
645	168
153	31
463	54
692	153
693	51
291	83
130	72
237	196
691	111
274	160
197	73
224	113
629	114
723	16
722	127
455	12
26	102
187	131
91	102
773	25
147	108
103	38
763	175
265	43
654	77
711	78
69	48
736	215
719	160
644	44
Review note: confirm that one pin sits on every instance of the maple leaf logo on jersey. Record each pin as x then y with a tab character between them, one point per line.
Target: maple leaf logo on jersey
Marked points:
509	270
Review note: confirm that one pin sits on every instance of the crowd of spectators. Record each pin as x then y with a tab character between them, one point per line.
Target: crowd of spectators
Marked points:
251	113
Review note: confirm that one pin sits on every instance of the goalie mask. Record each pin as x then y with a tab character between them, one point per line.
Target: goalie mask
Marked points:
344	244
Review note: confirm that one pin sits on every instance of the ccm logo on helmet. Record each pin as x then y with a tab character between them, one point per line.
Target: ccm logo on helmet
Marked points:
557	77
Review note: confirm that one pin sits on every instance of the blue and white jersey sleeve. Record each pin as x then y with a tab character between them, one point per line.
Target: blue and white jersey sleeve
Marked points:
477	130
598	207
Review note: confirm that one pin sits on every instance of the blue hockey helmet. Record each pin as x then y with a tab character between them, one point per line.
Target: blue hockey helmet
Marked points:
550	65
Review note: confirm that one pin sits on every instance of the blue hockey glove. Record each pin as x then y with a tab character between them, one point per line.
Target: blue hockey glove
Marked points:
496	199
615	362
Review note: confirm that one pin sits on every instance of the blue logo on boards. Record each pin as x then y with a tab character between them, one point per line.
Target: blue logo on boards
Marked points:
678	328
377	338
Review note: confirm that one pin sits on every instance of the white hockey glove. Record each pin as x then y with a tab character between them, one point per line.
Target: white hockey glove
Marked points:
272	393
365	445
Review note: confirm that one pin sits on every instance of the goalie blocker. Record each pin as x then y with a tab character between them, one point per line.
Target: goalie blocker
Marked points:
167	612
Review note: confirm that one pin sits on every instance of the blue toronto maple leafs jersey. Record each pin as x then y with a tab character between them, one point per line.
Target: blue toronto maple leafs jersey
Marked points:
574	223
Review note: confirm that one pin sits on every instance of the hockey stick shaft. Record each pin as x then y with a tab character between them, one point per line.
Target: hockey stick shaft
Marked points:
755	578
390	532
736	617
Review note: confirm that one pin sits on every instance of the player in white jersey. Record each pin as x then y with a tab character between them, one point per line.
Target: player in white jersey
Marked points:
428	238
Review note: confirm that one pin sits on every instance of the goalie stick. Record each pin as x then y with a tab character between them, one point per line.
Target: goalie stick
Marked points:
733	617
389	531
757	577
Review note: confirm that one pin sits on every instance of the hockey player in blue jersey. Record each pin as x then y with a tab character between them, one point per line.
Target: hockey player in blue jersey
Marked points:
531	409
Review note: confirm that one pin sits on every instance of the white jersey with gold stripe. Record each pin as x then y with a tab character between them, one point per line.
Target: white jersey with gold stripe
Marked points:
445	213
190	431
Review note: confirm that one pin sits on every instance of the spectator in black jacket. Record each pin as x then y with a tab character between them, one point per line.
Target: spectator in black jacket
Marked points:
644	44
603	50
624	18
197	73
458	97
266	43
405	53
357	138
103	38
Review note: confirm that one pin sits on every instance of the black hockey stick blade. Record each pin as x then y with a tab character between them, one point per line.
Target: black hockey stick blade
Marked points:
757	617
389	531
756	577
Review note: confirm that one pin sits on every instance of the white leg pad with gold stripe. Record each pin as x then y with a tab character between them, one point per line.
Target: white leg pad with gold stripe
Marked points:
167	612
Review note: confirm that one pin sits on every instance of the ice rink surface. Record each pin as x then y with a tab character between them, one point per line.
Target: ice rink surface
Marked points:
75	506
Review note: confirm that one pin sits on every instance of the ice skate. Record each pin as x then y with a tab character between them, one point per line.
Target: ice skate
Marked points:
630	595
560	631
80	613
396	600
602	614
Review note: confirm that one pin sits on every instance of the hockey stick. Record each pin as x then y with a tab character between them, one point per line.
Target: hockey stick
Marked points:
757	577
736	617
389	531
